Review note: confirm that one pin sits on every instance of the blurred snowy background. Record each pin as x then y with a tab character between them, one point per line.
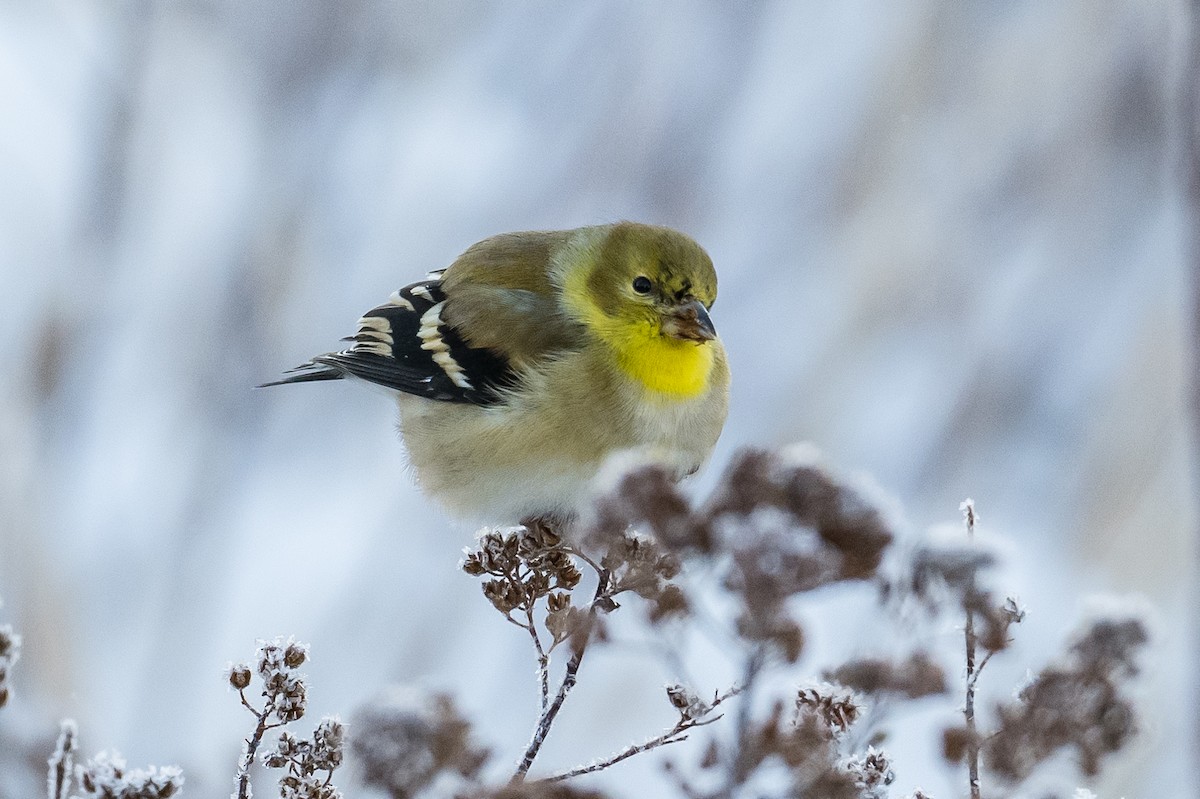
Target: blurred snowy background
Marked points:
952	241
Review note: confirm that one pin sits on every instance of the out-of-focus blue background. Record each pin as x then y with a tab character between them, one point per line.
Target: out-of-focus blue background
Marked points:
951	242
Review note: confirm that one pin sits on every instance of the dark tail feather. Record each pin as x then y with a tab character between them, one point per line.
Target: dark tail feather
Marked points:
306	373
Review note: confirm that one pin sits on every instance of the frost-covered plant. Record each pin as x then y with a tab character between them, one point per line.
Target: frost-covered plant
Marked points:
106	775
62	761
10	650
776	528
308	764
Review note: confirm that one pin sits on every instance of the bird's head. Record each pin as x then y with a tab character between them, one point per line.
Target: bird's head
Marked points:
647	291
649	278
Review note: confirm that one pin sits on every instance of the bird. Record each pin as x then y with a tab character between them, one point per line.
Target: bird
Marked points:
535	358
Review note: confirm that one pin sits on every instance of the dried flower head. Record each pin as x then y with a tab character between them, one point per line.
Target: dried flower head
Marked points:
648	497
10	650
952	573
812	499
403	744
835	707
310	764
106	777
1077	704
914	677
955	566
294	654
957	742
638	564
279	655
808	748
872	773
526	564
689	705
238	675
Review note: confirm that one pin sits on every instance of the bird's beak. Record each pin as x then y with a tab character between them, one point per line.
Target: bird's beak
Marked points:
689	322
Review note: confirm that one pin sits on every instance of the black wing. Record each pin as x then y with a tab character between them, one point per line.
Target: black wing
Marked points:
405	345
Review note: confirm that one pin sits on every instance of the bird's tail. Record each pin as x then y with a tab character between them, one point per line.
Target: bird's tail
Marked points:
307	373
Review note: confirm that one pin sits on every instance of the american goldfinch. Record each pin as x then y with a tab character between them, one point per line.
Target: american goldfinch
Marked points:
524	365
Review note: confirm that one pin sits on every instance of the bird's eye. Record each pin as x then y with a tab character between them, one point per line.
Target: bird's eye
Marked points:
641	284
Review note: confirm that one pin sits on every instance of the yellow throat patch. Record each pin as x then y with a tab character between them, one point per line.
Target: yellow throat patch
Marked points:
679	369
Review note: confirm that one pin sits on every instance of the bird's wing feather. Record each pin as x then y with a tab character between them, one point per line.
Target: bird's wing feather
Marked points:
466	332
502	297
406	345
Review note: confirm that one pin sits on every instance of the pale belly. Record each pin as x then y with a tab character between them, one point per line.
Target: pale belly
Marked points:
502	464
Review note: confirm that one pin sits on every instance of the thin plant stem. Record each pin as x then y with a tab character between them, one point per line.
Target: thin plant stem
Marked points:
568	682
252	744
971	642
671	736
542	658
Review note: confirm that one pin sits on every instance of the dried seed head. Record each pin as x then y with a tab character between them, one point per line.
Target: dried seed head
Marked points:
671	602
504	595
914	677
403	743
955	743
872	773
687	703
1075	704
647	497
1012	610
105	776
239	676
836	708
812	499
473	564
295	654
525	564
10	650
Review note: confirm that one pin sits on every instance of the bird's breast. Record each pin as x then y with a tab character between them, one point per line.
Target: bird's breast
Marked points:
670	368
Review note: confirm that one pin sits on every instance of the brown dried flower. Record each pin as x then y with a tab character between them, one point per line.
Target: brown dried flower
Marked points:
837	709
105	776
872	773
648	497
1077	704
689	705
956	742
239	676
839	516
913	677
526	563
403	745
10	650
569	622
807	747
304	759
